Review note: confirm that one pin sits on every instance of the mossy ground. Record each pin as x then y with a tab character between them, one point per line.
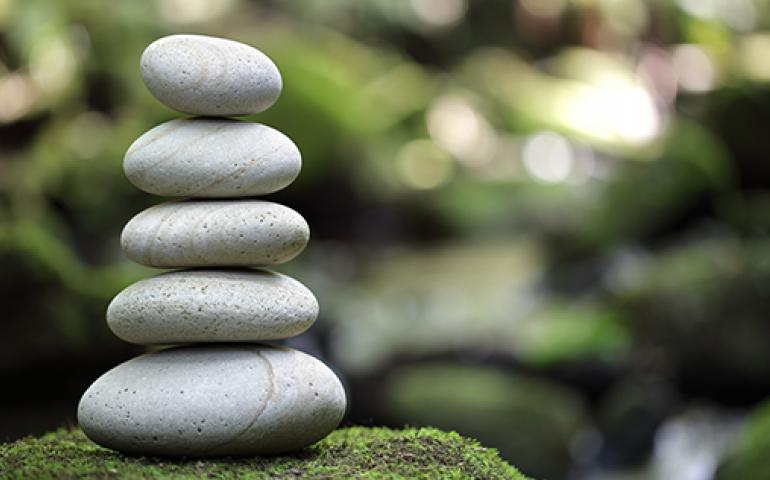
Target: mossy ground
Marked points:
356	452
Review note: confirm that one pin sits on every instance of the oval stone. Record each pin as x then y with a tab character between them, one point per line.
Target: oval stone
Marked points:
212	306
213	400
210	76
212	157
212	233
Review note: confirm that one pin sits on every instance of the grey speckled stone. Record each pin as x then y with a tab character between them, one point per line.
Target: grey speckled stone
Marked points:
211	233
207	157
212	306
210	76
212	400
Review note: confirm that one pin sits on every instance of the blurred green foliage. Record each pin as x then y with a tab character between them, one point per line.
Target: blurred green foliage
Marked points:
749	458
579	187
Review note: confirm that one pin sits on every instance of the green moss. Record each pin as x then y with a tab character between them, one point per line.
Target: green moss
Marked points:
355	452
751	458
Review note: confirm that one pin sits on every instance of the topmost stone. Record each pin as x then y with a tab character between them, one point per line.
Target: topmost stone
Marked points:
210	76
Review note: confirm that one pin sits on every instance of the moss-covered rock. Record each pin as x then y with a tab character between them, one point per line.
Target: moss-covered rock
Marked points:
355	452
530	421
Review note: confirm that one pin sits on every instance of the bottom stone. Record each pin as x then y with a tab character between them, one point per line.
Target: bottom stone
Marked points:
213	400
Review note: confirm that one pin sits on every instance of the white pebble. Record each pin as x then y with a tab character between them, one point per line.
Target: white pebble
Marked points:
206	157
213	400
210	76
215	233
212	306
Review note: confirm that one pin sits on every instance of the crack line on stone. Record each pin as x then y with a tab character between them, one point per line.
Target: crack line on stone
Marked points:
261	409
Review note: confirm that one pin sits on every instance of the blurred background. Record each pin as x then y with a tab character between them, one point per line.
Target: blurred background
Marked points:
541	223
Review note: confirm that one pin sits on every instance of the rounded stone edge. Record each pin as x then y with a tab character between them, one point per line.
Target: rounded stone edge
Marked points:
130	170
334	383
304	231
115	325
263	105
232	446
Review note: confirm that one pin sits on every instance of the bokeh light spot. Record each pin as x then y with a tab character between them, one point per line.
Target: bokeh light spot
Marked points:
439	13
457	127
192	11
17	95
548	157
613	109
754	56
694	68
52	63
422	165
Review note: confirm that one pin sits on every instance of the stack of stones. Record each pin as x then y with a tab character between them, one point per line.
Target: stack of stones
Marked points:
220	392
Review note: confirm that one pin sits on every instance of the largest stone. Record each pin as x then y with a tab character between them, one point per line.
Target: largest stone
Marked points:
209	400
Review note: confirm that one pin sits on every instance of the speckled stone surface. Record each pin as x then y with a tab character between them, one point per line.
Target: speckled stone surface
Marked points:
210	233
213	400
212	157
210	76
212	306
